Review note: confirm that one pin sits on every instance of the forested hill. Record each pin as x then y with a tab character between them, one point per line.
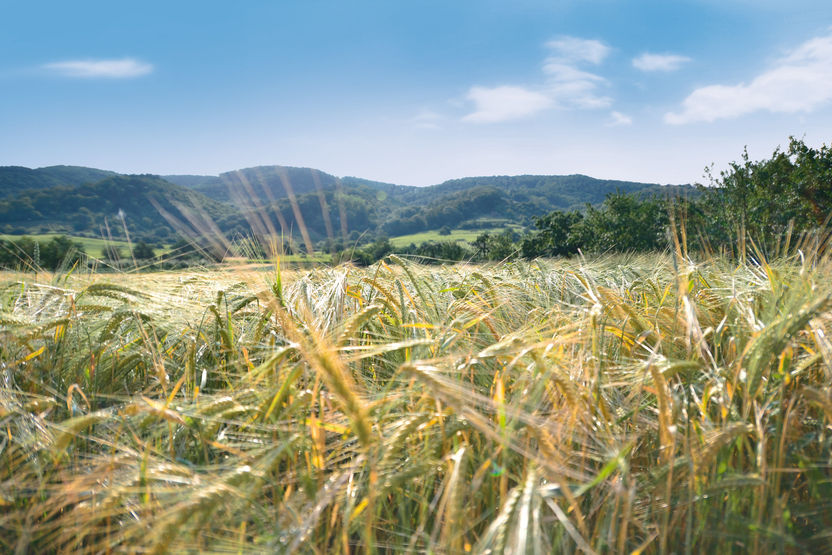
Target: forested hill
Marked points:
147	203
519	199
270	182
565	191
553	191
77	200
14	179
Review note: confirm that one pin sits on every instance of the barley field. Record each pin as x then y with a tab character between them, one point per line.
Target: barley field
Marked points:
619	404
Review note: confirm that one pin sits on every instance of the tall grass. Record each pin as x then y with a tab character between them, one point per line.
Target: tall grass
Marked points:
621	404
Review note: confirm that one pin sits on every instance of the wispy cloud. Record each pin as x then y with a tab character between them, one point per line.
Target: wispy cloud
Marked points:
565	85
659	62
799	82
497	104
124	68
618	119
426	119
574	49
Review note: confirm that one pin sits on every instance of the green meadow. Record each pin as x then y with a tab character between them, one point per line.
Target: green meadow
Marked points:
467	235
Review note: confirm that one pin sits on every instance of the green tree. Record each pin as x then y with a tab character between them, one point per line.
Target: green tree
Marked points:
143	251
82	220
439	252
481	244
60	250
556	235
502	246
764	199
50	255
380	248
623	223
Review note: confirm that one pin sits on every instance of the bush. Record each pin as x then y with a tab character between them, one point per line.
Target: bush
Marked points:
143	251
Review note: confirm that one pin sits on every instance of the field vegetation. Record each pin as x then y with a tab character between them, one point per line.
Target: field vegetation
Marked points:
628	403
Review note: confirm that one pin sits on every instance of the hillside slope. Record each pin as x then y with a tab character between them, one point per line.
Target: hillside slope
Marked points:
288	200
91	208
14	179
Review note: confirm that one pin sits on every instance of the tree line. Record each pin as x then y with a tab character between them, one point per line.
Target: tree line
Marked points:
27	253
753	204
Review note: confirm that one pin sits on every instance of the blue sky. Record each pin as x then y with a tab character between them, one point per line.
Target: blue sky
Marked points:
413	92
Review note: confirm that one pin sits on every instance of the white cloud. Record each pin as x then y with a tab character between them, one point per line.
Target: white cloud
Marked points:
799	82
565	85
124	68
505	103
618	119
570	87
561	72
573	49
659	62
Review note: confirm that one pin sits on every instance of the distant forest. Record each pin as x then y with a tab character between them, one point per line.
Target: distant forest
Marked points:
288	201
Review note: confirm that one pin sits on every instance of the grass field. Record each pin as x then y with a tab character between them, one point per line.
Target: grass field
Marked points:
467	235
418	238
643	404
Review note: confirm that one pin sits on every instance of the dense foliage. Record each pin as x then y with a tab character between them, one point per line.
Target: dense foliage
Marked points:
753	207
767	200
622	223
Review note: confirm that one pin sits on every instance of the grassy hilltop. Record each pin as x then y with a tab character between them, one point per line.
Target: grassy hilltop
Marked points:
627	404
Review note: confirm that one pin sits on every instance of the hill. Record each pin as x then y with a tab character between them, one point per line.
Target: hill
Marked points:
147	203
288	200
520	199
14	179
397	210
271	183
191	181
